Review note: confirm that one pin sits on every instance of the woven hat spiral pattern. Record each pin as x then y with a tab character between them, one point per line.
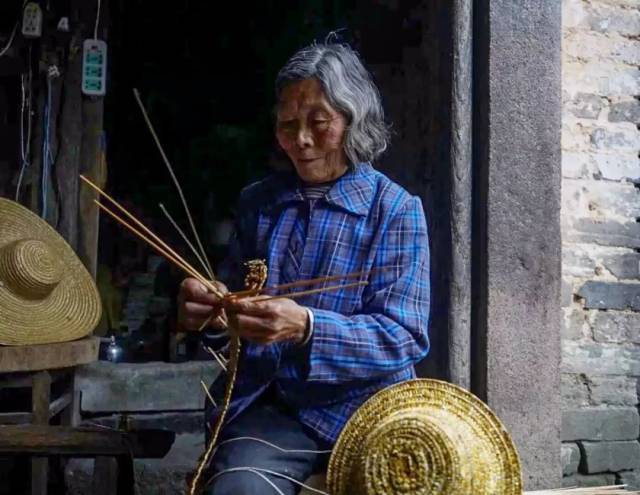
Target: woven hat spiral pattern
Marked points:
424	437
46	294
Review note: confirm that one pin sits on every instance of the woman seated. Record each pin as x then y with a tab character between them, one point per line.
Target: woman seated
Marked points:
307	364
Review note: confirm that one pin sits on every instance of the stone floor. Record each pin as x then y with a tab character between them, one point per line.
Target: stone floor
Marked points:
153	476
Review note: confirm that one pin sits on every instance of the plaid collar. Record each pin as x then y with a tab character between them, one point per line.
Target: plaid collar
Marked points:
352	192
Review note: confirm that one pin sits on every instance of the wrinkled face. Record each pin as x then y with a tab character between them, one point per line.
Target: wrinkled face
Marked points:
311	132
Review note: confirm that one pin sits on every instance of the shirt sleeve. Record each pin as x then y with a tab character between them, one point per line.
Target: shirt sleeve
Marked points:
389	333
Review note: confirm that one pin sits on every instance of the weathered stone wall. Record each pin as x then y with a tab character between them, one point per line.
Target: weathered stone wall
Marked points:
601	241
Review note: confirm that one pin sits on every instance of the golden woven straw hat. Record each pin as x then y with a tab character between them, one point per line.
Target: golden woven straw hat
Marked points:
46	294
424	437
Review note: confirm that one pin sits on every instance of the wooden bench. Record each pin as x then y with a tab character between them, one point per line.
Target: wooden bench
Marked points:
114	450
30	432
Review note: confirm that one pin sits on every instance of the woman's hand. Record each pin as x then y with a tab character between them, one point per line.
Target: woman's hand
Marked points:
196	304
266	322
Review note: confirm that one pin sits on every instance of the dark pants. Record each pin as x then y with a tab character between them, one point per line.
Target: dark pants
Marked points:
268	421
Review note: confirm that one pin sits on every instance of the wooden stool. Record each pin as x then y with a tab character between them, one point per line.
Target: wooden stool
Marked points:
37	367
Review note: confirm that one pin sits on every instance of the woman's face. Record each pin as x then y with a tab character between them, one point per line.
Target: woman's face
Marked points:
311	132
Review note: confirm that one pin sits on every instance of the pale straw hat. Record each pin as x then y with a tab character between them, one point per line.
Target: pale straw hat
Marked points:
46	294
424	437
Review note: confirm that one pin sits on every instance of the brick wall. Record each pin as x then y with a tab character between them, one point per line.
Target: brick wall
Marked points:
601	241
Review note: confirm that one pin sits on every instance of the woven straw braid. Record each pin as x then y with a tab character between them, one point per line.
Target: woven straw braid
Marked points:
30	269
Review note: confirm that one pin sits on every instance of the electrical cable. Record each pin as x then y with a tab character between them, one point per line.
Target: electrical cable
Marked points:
13	33
95	28
45	150
25	107
23	161
47	155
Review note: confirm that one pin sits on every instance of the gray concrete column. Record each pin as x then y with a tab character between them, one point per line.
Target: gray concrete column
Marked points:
460	195
516	256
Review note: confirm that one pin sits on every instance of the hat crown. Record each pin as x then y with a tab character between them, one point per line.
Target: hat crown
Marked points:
420	451
30	268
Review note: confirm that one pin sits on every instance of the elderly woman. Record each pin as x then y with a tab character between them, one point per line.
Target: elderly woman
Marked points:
308	364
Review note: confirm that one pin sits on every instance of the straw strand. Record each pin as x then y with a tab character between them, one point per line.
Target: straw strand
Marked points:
310	281
177	260
186	239
208	284
293	295
136	93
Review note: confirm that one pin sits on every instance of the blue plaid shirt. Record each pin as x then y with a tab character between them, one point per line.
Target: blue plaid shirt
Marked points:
365	338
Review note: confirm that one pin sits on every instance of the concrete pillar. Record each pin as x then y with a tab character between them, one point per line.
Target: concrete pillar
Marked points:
460	196
516	277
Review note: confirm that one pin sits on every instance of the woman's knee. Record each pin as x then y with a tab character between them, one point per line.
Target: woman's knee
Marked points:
239	483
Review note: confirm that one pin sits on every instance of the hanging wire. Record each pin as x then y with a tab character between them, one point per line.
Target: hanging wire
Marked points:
25	109
47	155
45	151
13	32
8	45
95	27
23	153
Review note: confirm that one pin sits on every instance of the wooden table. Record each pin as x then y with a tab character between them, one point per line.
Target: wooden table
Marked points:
37	367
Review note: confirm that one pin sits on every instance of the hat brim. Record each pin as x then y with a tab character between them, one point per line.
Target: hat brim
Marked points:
421	394
73	308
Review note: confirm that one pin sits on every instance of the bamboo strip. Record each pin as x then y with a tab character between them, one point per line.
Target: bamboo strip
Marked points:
302	283
293	295
209	285
206	391
177	261
218	358
203	262
136	94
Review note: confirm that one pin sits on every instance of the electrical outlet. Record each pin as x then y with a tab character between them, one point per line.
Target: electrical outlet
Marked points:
94	67
93	71
32	21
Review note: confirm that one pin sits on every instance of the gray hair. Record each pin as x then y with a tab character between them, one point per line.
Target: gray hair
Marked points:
350	90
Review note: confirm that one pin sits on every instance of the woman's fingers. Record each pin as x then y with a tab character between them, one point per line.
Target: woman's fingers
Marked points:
248	324
250	306
260	330
195	291
202	297
196	309
192	324
255	329
196	305
270	321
